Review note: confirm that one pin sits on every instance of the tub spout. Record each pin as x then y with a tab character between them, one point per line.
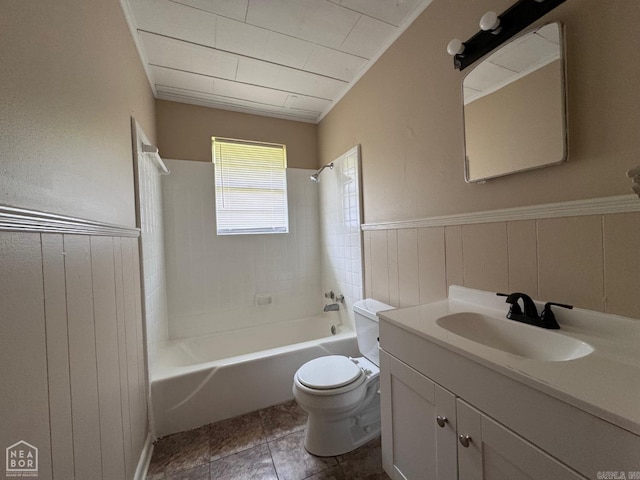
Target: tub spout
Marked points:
333	307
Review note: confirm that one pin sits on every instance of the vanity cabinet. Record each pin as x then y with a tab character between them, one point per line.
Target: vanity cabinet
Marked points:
516	430
419	436
428	433
492	451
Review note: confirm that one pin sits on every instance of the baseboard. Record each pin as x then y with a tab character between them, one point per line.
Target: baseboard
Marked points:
145	459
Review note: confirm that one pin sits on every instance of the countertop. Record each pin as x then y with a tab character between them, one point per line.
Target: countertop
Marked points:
605	383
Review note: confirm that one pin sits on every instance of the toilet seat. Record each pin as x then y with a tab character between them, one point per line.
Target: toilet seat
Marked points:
327	373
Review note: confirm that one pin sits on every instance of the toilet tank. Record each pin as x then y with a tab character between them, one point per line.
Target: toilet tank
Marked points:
367	326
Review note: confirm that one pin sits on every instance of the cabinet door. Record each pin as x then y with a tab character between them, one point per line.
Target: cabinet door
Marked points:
496	453
414	446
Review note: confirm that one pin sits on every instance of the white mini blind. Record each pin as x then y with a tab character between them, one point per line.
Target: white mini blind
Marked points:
251	187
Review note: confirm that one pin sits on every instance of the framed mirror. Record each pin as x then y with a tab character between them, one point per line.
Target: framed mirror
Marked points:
515	107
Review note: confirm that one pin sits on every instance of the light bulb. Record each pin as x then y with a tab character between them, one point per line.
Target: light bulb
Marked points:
455	47
490	22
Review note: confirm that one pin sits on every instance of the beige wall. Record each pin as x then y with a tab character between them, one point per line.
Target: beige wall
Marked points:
406	113
71	79
185	131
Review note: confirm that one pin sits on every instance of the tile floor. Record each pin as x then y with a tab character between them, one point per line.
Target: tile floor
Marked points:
263	445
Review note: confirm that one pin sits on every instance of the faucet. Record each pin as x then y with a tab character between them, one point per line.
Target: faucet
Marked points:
332	307
530	316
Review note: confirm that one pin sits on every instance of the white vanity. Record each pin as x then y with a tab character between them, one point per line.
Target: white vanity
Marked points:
468	394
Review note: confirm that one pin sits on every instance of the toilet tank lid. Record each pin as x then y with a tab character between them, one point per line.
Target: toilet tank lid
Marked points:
369	307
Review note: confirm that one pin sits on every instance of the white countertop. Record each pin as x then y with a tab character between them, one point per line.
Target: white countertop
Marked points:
605	383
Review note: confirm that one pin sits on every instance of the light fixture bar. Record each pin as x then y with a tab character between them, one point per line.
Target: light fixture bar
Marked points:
511	21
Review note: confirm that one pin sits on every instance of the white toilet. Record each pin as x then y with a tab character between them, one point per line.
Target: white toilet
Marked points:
340	393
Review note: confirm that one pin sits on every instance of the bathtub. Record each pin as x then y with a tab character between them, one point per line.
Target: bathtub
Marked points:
201	380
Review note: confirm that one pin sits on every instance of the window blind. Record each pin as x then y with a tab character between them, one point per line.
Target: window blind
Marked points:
251	187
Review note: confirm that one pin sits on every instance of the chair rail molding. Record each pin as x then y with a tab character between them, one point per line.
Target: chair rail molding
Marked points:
572	208
13	219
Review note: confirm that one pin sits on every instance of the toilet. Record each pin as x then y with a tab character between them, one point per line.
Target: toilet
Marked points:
340	393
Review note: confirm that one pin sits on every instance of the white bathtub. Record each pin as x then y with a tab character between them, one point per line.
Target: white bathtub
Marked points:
197	381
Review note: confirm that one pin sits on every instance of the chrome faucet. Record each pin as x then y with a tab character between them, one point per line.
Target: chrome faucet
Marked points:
332	307
530	316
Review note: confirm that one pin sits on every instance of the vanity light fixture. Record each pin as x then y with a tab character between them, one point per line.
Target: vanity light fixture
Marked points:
455	47
490	22
496	29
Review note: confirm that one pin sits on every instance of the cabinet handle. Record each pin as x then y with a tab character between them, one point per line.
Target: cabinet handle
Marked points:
442	421
465	440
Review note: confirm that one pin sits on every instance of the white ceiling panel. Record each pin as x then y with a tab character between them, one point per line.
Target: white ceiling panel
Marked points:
333	63
486	75
211	100
317	21
226	8
393	12
283	78
283	58
260	43
526	54
251	93
367	36
300	102
168	52
174	20
184	80
550	33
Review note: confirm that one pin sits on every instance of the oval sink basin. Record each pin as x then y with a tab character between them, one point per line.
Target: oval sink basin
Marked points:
513	337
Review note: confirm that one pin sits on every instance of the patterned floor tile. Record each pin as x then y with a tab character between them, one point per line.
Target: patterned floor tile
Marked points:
283	419
198	473
364	463
178	452
292	461
236	434
253	464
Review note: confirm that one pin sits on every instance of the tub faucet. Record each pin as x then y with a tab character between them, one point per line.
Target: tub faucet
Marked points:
332	307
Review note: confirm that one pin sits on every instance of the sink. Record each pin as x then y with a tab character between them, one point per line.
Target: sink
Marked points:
516	338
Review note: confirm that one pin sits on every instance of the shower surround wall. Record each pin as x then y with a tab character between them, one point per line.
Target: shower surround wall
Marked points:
341	239
150	222
212	281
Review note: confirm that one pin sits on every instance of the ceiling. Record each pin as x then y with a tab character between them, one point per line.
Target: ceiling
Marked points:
289	59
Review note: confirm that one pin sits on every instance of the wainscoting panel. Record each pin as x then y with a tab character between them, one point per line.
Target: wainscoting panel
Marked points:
589	261
24	402
55	303
72	353
104	297
82	358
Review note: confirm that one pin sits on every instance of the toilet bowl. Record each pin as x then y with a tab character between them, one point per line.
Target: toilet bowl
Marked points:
340	393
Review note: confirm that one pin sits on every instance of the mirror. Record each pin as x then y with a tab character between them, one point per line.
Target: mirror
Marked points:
514	107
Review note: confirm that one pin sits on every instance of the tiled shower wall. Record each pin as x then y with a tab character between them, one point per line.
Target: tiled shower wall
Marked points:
591	262
212	281
72	357
152	249
341	240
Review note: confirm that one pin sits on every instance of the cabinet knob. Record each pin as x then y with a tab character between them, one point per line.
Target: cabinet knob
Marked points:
442	421
465	440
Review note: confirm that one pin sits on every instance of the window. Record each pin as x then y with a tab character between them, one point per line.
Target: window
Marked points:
251	187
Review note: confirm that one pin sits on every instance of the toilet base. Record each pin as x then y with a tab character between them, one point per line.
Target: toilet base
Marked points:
330	438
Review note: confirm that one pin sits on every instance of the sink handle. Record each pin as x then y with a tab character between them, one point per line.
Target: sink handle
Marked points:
548	318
